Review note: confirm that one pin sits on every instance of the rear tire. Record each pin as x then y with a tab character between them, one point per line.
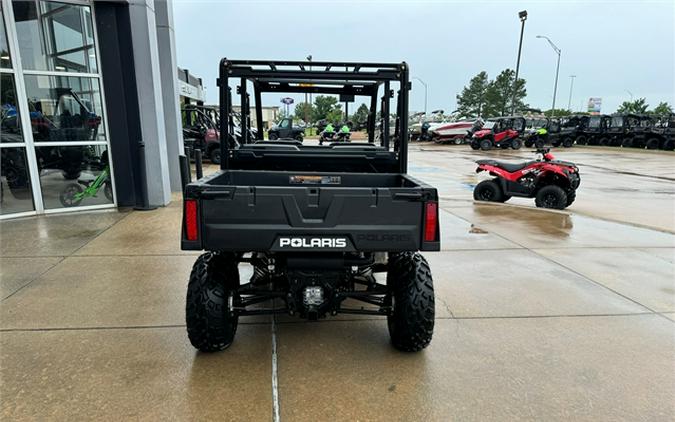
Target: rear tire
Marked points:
211	325
539	143
299	138
475	145
528	143
567	143
411	324
488	190
604	142
551	196
486	144
652	143
273	137
669	145
581	140
215	155
516	143
627	142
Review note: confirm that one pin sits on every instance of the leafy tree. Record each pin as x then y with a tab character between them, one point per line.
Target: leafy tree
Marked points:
558	112
499	94
324	104
662	109
361	114
305	111
638	106
472	99
335	115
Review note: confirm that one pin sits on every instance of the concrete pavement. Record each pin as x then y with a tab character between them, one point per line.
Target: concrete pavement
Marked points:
540	315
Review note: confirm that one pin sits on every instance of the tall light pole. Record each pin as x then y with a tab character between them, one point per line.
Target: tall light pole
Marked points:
569	102
425	95
309	59
523	17
557	69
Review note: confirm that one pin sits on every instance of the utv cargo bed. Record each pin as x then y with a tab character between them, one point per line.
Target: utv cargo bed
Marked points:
371	212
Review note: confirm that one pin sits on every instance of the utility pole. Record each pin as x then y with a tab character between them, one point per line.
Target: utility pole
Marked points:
523	17
557	69
569	102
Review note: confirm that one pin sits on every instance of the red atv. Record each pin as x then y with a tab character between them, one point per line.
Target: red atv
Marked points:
502	132
551	182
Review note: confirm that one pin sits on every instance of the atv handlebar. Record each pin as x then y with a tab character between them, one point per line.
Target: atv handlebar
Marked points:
545	153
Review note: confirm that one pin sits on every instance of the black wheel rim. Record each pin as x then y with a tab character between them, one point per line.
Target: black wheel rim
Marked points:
486	194
549	200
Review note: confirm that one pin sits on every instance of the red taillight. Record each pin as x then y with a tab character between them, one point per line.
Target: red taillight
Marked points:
191	220
430	221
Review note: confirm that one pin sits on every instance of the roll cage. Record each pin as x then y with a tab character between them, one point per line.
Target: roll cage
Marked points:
346	79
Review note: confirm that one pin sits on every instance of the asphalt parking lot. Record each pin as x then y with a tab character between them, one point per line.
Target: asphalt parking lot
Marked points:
541	315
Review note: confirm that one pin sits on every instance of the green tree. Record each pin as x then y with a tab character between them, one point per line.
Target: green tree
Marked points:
638	106
558	112
305	111
472	99
324	104
361	114
335	115
662	109
499	94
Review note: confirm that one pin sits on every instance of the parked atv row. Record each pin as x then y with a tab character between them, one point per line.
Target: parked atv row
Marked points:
619	130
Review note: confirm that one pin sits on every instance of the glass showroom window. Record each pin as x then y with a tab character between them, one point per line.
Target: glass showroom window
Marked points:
55	36
16	195
64	108
58	58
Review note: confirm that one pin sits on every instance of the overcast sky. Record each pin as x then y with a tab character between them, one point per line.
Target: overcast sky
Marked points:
616	48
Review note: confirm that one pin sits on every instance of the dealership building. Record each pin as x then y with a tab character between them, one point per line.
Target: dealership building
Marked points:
90	97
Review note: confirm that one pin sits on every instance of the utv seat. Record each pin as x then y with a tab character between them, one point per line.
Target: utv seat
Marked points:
510	167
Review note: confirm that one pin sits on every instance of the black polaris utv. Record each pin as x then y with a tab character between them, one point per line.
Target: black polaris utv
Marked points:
316	223
571	131
541	131
653	132
594	130
663	132
286	130
620	130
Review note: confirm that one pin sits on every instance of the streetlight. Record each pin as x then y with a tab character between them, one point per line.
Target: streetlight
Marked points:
425	95
523	17
309	59
557	69
569	102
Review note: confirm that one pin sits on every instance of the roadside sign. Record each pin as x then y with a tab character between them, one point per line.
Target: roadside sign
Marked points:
287	100
594	105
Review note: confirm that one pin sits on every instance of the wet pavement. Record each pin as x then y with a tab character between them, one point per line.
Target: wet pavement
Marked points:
541	315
